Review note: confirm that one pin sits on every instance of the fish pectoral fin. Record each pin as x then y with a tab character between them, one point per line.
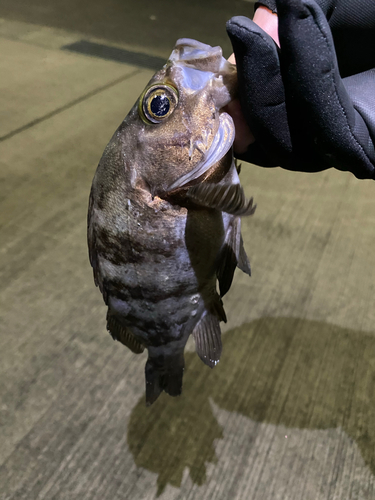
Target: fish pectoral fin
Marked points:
231	256
228	257
164	374
123	334
243	260
207	336
238	166
216	307
226	267
229	198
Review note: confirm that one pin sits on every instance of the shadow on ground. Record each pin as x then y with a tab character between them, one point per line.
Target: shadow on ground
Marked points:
296	373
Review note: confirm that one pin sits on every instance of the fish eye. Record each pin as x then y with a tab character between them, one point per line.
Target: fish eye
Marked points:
157	103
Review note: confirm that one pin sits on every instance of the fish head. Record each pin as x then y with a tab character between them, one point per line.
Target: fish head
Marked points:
184	133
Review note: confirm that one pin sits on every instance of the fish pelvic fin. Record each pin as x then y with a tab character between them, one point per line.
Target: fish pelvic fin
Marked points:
123	334
229	198
207	337
164	374
231	256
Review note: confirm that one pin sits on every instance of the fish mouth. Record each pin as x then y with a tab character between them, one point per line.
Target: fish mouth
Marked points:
221	144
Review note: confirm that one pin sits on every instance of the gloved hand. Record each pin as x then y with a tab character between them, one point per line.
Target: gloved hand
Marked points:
303	114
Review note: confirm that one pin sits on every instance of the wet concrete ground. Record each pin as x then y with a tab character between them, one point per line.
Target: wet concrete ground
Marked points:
288	413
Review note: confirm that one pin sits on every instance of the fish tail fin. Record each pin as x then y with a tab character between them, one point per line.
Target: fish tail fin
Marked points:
164	374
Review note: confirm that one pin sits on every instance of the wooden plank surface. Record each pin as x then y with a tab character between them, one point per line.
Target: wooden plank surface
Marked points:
289	411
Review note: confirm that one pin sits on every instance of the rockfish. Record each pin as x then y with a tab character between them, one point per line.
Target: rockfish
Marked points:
164	216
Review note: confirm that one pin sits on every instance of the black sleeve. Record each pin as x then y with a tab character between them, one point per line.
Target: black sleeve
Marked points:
352	23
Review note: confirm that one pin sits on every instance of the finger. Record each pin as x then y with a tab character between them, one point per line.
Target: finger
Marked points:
243	137
232	59
261	89
268	21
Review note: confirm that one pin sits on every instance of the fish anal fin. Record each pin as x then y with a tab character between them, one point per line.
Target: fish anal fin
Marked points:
164	374
123	334
207	336
229	198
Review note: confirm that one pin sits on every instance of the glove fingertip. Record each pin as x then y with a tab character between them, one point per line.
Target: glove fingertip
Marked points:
249	38
243	28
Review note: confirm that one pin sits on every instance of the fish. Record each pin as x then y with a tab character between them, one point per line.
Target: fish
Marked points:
164	217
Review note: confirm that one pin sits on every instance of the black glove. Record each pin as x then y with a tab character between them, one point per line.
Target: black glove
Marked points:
303	115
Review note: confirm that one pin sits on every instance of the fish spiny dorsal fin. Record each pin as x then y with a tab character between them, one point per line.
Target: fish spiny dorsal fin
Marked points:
207	336
122	334
229	198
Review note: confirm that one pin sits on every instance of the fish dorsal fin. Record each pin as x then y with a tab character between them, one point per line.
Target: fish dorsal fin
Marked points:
232	254
122	334
229	198
207	336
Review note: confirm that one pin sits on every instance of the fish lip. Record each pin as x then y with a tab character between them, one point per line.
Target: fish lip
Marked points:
221	144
